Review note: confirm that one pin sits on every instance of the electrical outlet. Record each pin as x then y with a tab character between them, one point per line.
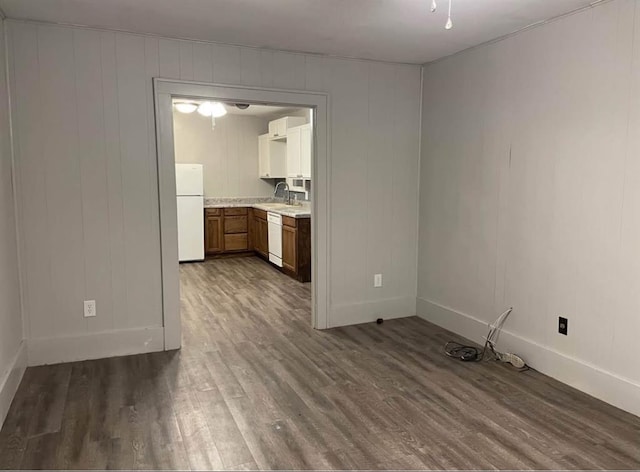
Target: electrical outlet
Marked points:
563	325
377	280
89	308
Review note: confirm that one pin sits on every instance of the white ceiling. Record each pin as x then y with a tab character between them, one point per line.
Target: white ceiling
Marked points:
389	30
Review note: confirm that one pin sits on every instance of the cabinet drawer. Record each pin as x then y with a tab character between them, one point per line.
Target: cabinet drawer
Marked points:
260	214
235	224
236	242
235	211
288	221
213	211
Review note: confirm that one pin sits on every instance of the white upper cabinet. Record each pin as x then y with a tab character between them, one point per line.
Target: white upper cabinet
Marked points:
286	150
293	153
272	158
279	128
299	152
305	151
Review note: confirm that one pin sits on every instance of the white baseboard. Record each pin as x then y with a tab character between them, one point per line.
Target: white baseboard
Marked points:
124	342
356	313
607	386
11	380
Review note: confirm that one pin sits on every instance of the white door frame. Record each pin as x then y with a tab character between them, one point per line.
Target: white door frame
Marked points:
164	91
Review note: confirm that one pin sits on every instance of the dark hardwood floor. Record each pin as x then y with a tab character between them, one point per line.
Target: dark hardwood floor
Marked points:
255	387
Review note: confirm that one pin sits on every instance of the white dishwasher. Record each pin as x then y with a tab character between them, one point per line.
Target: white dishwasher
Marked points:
275	238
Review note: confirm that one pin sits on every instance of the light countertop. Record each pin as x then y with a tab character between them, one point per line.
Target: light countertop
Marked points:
265	204
292	211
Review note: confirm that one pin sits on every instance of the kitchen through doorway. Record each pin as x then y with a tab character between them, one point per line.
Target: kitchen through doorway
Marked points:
243	188
245	217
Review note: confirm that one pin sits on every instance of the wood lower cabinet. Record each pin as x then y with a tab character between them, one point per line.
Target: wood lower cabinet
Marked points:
236	230
289	235
213	231
240	230
226	230
296	247
260	233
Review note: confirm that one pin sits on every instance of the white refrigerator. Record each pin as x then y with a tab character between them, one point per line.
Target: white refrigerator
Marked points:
189	193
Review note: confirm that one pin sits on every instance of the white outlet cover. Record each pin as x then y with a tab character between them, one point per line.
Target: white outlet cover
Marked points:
89	308
377	280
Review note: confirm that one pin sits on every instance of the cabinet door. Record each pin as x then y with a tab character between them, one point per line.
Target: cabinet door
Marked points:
260	236
263	156
273	128
278	128
277	159
264	237
214	235
289	248
250	230
305	151
281	127
256	234
293	153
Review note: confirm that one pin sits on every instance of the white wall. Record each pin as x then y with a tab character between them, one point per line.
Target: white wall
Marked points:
530	196
86	162
12	358
229	152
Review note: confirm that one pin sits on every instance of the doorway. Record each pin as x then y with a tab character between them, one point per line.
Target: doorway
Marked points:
166	93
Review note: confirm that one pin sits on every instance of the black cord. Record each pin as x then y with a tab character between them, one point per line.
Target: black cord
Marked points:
464	353
472	353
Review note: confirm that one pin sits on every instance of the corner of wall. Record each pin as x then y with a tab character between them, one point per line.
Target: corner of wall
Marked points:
11	380
419	187
14	180
13	372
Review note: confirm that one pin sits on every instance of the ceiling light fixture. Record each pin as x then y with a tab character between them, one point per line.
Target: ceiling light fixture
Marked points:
212	109
434	7
205	109
218	110
186	107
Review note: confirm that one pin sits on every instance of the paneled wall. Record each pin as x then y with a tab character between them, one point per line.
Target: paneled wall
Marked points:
86	162
530	196
229	153
11	357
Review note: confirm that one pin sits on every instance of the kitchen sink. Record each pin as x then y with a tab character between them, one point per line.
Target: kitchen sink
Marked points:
278	206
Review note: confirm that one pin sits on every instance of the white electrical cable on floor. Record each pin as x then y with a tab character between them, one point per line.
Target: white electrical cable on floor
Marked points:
474	354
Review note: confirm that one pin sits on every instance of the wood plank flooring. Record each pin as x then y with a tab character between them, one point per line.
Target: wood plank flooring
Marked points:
254	387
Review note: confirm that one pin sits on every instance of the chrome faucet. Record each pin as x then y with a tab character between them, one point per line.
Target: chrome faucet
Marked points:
286	200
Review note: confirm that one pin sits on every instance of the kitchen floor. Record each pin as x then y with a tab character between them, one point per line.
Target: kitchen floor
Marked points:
255	387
